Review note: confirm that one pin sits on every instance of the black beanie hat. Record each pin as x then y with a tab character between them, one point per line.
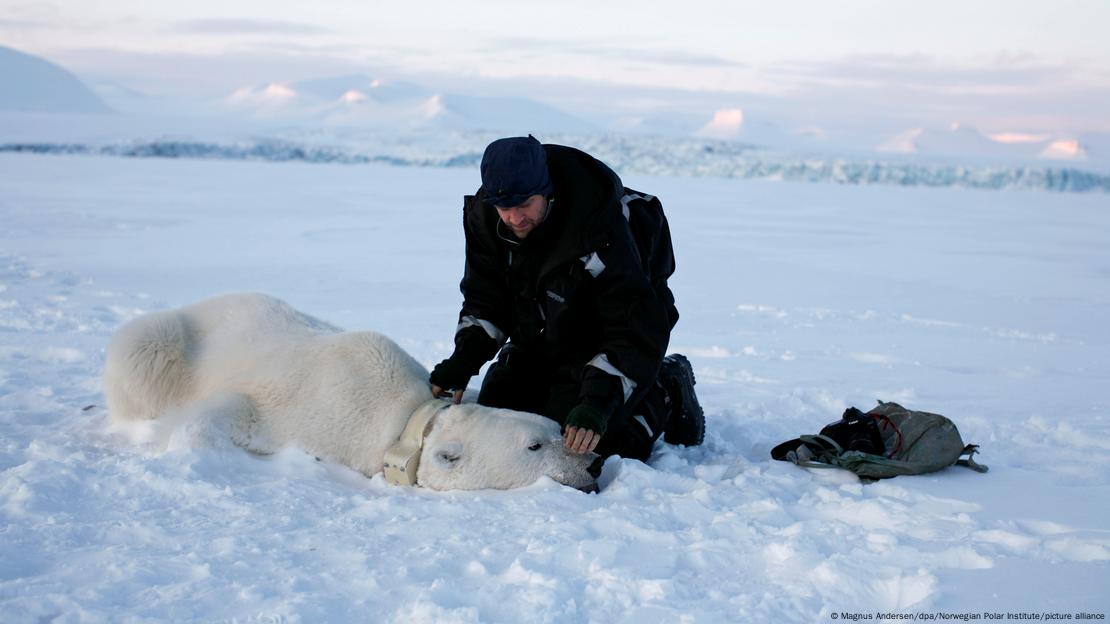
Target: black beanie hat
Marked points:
513	170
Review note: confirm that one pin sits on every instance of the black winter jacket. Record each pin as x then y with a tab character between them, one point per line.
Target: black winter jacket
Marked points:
582	288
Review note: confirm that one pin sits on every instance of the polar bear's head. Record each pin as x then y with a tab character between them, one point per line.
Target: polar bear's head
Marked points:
474	447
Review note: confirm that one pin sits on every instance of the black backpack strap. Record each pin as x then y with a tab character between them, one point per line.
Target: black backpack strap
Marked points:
816	451
970	450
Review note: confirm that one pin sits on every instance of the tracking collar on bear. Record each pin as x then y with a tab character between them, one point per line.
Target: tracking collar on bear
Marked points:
403	458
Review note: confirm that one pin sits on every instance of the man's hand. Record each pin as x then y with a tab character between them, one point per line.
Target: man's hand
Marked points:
578	440
449	378
456	395
585	426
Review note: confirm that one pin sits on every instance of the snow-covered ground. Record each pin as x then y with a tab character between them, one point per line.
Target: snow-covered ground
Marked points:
797	301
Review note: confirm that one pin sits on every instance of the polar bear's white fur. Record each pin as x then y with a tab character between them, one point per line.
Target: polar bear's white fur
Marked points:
274	377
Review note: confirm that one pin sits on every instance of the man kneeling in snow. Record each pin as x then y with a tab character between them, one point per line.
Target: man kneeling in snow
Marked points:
570	268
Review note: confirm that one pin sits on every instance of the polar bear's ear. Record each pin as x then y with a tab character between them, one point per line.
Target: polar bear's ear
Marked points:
448	455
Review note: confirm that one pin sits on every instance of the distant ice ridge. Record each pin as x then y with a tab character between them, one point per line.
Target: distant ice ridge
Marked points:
631	154
728	159
277	151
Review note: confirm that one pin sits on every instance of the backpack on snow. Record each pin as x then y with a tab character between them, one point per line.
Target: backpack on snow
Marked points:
885	442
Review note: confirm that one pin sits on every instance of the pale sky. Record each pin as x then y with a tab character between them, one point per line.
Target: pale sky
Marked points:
1018	65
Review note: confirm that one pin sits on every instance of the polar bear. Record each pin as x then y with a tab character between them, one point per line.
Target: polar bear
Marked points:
275	377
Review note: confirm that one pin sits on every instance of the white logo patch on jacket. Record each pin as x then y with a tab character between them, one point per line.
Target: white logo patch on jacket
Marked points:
594	265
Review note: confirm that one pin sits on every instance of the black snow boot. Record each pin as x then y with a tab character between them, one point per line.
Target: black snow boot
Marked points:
685	418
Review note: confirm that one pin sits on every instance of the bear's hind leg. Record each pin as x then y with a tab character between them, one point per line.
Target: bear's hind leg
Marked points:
219	422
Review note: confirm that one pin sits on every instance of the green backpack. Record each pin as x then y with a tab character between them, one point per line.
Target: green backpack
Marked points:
885	442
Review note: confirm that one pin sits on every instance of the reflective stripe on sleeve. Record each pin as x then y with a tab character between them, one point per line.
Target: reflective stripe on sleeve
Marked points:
491	329
601	362
628	198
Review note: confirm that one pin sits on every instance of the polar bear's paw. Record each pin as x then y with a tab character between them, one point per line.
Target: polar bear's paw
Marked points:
222	422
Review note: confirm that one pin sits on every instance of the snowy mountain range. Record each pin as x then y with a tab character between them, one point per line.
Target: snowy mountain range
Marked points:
362	101
962	139
33	84
358	102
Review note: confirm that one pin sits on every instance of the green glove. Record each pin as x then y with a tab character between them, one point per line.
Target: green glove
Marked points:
586	416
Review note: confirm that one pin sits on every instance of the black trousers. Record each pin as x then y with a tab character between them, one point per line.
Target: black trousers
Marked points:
525	381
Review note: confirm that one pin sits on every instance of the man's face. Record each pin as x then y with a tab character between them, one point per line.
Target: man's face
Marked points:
526	217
